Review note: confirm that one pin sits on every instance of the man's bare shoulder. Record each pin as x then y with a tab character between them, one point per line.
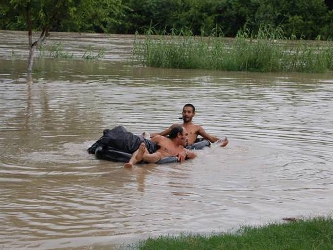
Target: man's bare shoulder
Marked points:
159	138
198	126
193	127
156	138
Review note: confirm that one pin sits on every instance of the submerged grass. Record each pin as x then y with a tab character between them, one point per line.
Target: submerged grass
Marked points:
268	51
57	51
315	233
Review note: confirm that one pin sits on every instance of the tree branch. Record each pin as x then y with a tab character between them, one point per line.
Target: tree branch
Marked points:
28	9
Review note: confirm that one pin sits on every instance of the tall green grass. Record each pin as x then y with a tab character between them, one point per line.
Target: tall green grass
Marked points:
267	51
311	234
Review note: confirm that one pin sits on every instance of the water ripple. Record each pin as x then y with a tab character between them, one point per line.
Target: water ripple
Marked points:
55	195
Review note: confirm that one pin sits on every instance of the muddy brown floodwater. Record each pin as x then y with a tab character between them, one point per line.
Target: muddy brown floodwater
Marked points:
56	196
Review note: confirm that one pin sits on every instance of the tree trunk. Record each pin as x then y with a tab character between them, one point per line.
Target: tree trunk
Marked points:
31	53
32	50
33	46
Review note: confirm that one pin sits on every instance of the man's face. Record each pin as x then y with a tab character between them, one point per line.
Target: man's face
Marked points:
187	114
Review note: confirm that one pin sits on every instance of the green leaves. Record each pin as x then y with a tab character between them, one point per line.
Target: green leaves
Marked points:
306	19
62	15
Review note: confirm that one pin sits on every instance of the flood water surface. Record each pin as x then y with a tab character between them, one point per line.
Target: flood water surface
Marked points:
54	195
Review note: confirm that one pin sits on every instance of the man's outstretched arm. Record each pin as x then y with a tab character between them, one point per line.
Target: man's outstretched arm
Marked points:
222	141
165	132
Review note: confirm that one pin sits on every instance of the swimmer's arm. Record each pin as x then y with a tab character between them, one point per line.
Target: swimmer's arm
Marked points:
222	141
163	133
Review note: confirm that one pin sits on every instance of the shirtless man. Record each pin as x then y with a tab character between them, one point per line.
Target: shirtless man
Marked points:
173	145
193	130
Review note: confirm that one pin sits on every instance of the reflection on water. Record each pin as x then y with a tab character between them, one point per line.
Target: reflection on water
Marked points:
55	195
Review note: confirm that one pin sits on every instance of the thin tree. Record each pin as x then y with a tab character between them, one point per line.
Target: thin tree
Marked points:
46	15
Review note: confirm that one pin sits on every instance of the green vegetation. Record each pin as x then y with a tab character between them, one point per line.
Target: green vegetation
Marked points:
304	19
204	25
268	51
57	51
309	234
61	15
90	54
47	15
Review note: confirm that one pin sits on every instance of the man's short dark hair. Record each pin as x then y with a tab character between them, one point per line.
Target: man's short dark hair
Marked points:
174	131
190	105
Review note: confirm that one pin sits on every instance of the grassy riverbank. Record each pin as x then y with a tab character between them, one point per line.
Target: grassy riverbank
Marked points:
268	51
315	233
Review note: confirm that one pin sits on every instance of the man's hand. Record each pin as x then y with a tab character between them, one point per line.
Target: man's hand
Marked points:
224	142
182	156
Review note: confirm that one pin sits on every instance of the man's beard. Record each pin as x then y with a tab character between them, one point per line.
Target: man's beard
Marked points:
186	119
